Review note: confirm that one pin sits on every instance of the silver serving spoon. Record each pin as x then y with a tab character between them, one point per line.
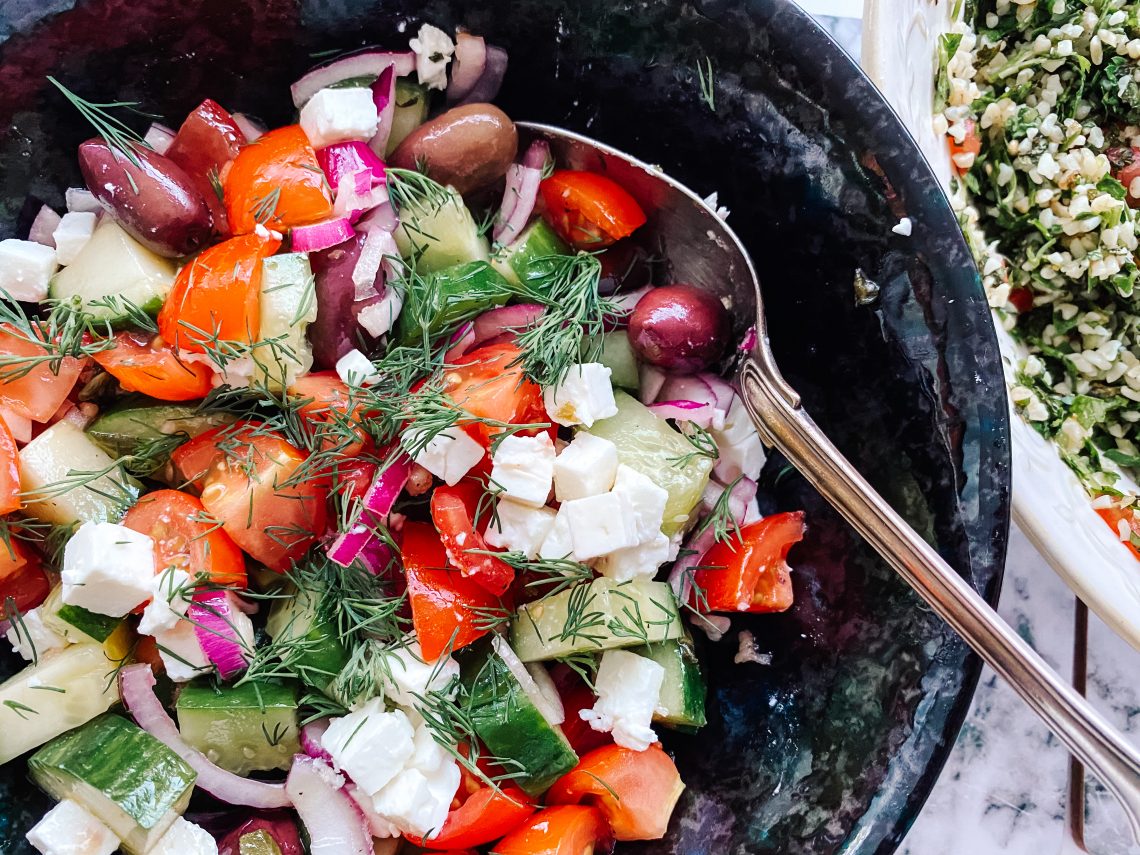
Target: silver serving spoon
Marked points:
714	259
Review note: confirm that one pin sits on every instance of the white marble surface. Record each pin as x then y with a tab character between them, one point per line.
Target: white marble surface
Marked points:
1004	787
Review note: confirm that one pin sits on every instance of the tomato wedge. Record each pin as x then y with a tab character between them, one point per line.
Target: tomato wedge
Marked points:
487	385
635	790
589	211
9	471
149	365
23	582
453	510
42	384
331	412
208	140
185	537
750	575
217	295
483	814
561	830
277	182
446	608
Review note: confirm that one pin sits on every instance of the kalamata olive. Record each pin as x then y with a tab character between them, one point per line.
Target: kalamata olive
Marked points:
467	147
155	201
680	328
334	332
625	267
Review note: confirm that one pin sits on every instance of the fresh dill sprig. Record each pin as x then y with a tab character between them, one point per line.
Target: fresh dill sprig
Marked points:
707	83
408	187
215	178
65	331
265	207
703	442
111	128
721	519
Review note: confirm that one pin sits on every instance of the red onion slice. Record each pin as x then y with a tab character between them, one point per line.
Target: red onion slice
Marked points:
692	551
136	686
628	301
699	413
251	128
462	340
748	341
690	387
223	631
505	320
311	736
349	158
743	492
44	226
721	388
375	506
335	824
365	63
651	380
467	66
384	97
357	195
159	137
320	236
491	80
378	244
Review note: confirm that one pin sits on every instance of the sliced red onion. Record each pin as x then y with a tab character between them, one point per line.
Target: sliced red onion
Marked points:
5	625
250	127
491	80
519	198
349	158
467	66
358	194
311	736
384	97
378	243
505	320
318	236
159	137
626	303
223	631
721	388
703	414
378	318
335	823
462	340
689	387
651	379
749	339
537	155
364	63
692	551
82	199
136	686
375	507
44	226
381	217
743	492
376	556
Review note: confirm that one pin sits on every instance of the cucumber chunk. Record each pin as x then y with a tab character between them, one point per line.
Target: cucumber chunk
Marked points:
436	236
447	297
62	691
613	350
76	623
111	271
53	459
524	260
412	104
649	445
130	426
508	721
246	728
119	773
288	306
682	701
307	619
594	616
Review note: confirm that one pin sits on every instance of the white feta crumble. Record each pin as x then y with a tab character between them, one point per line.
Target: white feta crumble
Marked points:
169	601
642	560
584	396
903	228
448	455
379	318
185	838
433	48
68	829
181	653
520	528
523	468
26	268
81	199
356	369
748	650
559	543
586	467
713	202
72	234
629	689
339	115
31	638
646	499
107	568
406	677
600	524
370	745
738	444
418	799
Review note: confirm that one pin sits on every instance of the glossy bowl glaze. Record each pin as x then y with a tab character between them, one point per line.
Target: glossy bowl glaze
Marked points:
833	744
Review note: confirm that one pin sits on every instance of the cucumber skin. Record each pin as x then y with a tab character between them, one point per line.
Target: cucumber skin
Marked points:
613	350
122	429
324	655
679	659
449	296
231	724
521	261
96	626
412	104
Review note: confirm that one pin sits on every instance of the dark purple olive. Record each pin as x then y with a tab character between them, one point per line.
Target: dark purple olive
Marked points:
333	333
467	147
155	201
625	267
680	328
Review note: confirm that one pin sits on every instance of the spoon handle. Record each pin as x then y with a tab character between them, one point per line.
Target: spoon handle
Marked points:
782	422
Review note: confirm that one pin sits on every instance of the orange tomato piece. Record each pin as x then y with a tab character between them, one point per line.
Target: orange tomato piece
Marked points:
331	412
9	471
35	384
560	830
149	365
589	211
751	574
486	384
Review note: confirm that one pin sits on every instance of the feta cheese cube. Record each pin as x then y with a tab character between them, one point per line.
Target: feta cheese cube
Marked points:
185	838
356	369
339	115
449	455
107	568
629	689
68	829
632	562
586	467
520	528
81	199
379	826
370	745
741	451
72	234
170	599
418	799
30	638
558	542
406	676
433	49
584	396
523	468
645	498
26	269
181	653
600	524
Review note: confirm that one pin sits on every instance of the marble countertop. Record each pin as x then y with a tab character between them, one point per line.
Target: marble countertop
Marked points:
1004	787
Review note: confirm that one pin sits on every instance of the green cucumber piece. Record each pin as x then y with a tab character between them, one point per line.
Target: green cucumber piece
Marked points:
245	728
613	350
447	297
76	623
649	445
259	842
308	621
509	722
121	775
112	270
132	425
527	260
594	616
288	306
682	702
436	236
52	459
62	691
412	104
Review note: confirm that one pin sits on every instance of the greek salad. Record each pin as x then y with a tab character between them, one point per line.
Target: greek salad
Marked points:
363	482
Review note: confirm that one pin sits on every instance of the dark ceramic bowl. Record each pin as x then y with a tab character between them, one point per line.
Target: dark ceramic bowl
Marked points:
834	745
